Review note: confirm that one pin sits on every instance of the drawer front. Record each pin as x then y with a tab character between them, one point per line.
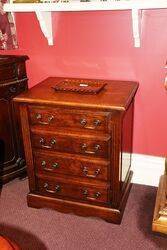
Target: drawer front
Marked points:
71	144
58	189
12	90
7	72
21	70
86	120
55	164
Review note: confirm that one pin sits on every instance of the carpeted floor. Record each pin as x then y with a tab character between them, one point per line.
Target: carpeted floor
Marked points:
47	229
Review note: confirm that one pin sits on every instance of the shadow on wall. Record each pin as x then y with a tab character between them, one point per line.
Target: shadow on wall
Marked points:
2	154
24	239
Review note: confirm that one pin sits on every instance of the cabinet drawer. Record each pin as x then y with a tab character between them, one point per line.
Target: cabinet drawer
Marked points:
7	72
11	90
78	144
58	189
86	120
68	165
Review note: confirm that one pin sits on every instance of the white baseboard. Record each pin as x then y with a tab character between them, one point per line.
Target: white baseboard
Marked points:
147	169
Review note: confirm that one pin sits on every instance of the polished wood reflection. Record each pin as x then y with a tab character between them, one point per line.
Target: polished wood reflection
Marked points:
78	148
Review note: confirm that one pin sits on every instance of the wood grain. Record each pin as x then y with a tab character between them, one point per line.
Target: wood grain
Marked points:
77	165
13	81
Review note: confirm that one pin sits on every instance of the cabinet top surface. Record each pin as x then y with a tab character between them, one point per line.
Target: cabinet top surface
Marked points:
9	59
115	95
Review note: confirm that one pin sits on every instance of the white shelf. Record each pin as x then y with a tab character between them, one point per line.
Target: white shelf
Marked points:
94	5
43	11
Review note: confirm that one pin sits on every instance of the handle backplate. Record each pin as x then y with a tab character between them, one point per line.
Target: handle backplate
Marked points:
84	122
84	148
95	195
39	118
54	166
96	172
52	143
56	189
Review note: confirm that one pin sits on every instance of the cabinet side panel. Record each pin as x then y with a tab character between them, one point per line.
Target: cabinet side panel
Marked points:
116	131
127	135
27	146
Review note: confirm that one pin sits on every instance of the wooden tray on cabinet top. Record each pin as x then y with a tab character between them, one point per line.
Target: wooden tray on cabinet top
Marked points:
80	86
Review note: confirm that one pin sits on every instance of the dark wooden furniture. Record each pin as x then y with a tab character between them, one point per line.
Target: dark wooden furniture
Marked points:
78	148
13	81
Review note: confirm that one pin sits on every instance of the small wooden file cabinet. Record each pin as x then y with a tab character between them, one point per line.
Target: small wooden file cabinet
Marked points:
78	148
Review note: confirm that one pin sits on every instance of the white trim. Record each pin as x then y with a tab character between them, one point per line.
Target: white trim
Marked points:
147	169
45	21
86	6
93	5
135	26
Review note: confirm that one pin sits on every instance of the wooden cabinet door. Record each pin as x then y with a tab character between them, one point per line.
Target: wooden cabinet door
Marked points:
6	133
13	81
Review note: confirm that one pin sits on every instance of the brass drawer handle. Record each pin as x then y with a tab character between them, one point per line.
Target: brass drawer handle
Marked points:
85	171
52	143
96	195
54	166
39	117
96	123
84	148
57	188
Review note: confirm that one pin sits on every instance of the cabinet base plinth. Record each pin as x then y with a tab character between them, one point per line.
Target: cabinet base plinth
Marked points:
110	215
81	209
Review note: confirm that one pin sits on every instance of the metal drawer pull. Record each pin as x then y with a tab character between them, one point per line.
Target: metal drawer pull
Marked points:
13	89
52	143
96	123
57	189
96	148
39	117
96	195
83	122
85	171
54	166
